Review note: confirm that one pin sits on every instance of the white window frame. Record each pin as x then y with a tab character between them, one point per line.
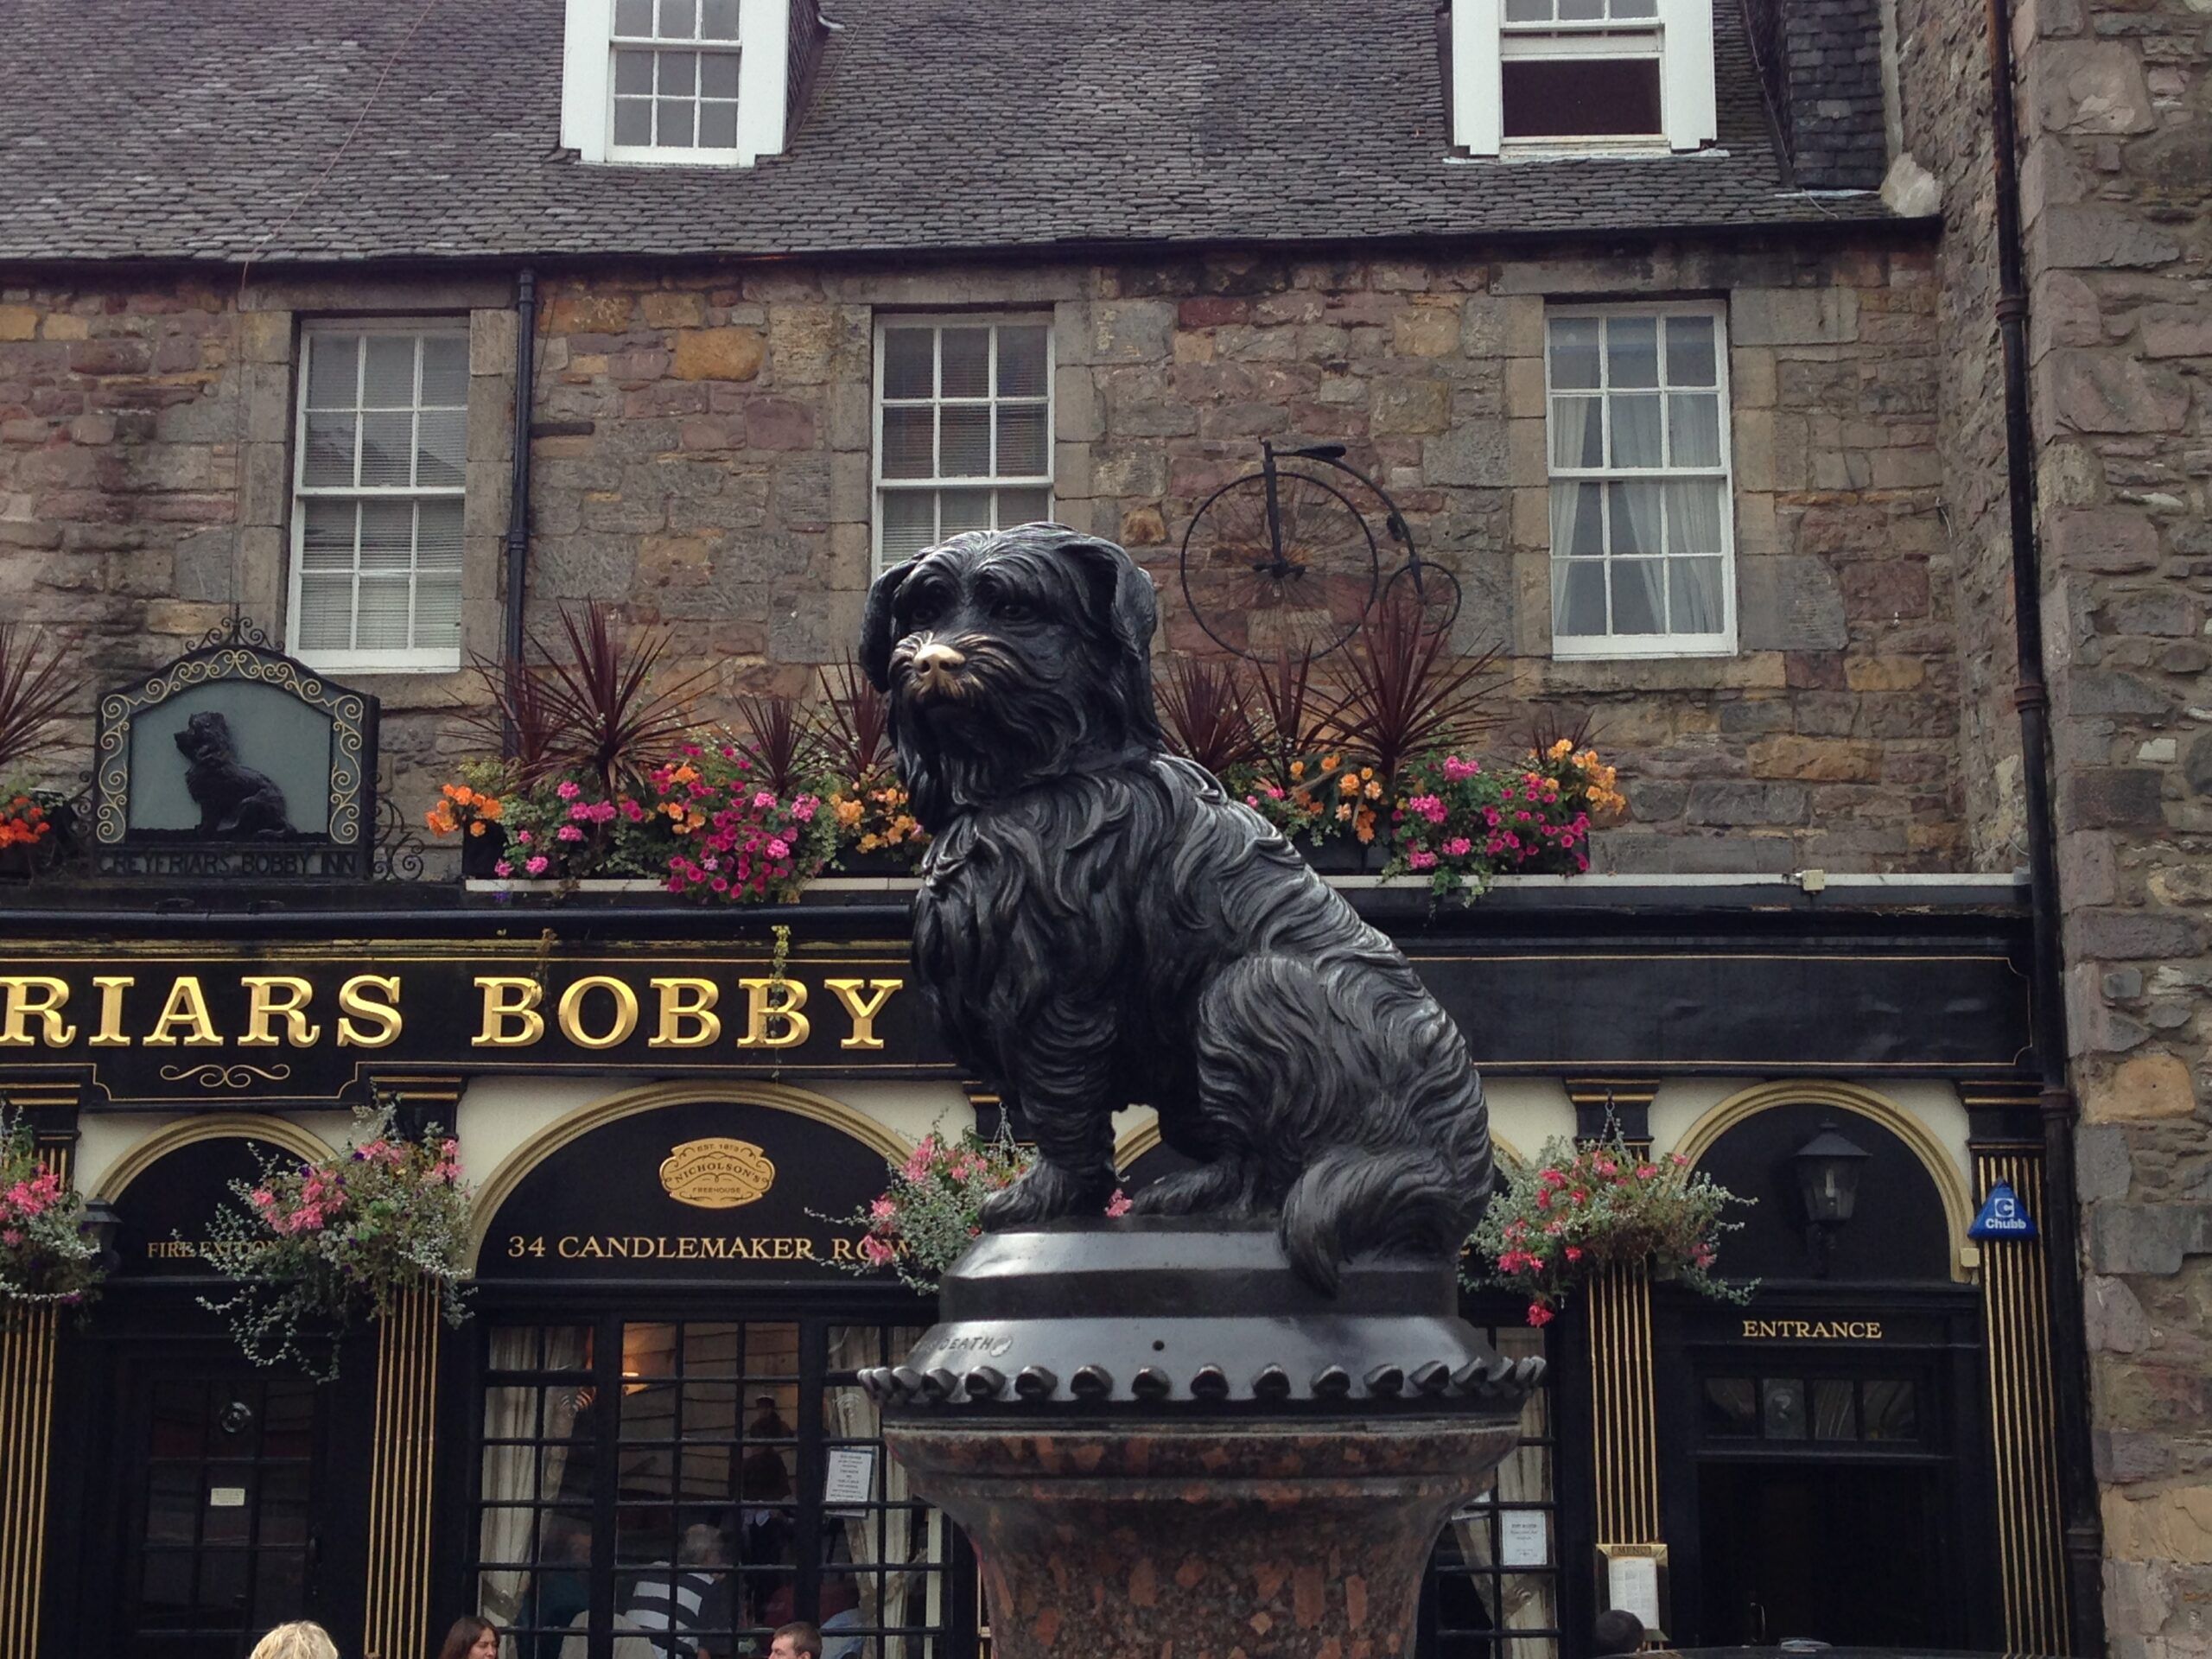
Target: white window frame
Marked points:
380	660
1681	36
995	320
1593	647
763	52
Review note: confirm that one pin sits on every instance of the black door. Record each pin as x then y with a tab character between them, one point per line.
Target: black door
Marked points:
218	1467
1844	1555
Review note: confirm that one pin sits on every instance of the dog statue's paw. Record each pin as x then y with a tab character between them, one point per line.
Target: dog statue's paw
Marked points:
1045	1192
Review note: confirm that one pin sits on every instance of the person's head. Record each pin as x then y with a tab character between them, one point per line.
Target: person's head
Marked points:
1615	1631
702	1546
471	1638
301	1640
796	1641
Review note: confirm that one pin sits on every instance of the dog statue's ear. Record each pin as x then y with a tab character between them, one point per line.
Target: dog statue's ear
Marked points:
876	635
1122	592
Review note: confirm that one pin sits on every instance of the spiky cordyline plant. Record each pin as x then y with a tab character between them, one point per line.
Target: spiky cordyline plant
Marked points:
855	729
611	719
1205	711
780	739
37	678
521	718
1291	727
1404	693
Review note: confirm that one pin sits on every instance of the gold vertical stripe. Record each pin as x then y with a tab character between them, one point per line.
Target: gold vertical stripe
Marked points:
1625	1407
30	1337
2023	1415
401	1464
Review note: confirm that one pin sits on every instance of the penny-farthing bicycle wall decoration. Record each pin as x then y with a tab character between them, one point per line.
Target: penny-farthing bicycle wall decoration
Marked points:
1282	564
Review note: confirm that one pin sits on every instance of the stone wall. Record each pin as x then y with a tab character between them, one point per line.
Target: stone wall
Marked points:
2114	111
702	461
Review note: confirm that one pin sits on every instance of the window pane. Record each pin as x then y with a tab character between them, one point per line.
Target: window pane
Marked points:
387	449
437	536
326	621
1689	352
1578	432
673	115
1554	98
1578	596
388	373
387	534
445	370
718	20
717	126
633	17
907	443
1892	1411
965	441
329	458
334	370
1694	429
679	19
1832	1411
634	121
909	363
1021	441
1577	520
718	74
1581	11
1636	429
1021	362
1024	507
1731	1408
908	523
1528	11
1574	353
382	625
679	74
1631	353
633	73
1639	595
967	363
962	510
442	439
1782	1407
1634	510
1693	588
326	535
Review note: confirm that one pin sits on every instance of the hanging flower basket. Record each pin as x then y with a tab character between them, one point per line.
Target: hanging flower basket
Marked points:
1590	1206
46	1256
314	1247
932	1212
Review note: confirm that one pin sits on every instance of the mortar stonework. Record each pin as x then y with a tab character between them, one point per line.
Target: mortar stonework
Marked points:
703	463
2115	167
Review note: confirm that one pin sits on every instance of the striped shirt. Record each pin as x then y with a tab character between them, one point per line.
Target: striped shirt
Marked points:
672	1599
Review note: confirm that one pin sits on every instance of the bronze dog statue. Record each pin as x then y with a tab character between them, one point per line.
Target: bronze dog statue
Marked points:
1099	924
233	800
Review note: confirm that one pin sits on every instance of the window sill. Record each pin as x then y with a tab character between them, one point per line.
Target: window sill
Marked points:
671	158
355	661
1586	149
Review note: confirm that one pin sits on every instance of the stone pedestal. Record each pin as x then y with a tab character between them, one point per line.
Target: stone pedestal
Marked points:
1160	1442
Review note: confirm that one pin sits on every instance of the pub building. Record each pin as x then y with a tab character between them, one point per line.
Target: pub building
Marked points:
392	335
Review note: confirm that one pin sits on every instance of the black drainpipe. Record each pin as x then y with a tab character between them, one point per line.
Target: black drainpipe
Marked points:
518	483
2061	1210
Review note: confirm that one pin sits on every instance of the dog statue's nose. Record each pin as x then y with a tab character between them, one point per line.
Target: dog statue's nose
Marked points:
934	658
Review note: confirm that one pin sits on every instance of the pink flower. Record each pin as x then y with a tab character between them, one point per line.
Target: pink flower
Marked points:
803	808
1539	1314
1645	1172
536	866
1574	1252
568	789
1421	860
779	847
1458	770
1676	1159
876	1250
763	799
1458	847
503	869
569	832
883	1209
1119	1203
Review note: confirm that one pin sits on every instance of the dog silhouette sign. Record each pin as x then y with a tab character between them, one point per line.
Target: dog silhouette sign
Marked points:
235	760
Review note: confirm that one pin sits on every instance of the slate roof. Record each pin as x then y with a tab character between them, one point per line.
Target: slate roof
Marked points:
196	129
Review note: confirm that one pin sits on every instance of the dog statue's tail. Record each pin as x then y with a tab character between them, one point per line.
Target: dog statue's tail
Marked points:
1351	1202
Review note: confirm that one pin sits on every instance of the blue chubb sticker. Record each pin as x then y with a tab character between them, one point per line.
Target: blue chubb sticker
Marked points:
2002	1216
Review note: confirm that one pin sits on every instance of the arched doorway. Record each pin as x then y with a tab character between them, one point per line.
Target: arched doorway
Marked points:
669	1437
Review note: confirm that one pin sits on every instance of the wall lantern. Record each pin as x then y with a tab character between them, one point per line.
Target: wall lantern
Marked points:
1827	1168
104	1225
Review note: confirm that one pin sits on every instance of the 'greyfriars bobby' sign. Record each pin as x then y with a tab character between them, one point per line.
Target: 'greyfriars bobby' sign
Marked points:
235	760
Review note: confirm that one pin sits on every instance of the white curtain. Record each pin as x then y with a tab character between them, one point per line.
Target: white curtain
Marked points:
518	1475
1639	584
1693	526
852	1415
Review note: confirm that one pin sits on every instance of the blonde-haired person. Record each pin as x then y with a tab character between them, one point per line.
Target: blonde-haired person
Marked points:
300	1640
